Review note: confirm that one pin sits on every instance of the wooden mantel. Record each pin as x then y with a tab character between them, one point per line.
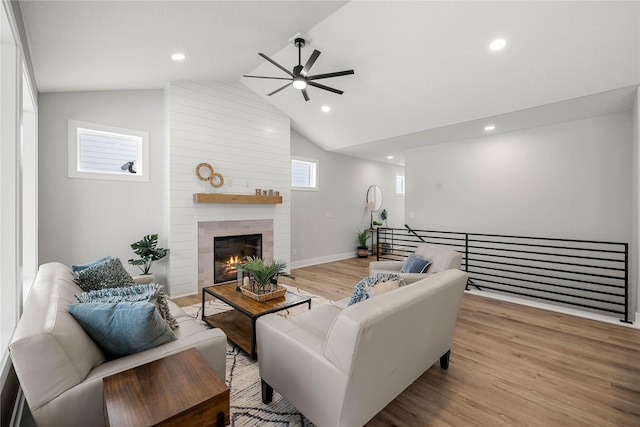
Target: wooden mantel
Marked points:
236	198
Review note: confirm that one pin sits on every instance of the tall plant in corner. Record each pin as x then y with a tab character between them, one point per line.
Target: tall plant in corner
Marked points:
148	252
363	237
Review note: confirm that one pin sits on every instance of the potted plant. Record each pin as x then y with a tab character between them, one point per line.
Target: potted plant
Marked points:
148	252
363	249
383	216
262	283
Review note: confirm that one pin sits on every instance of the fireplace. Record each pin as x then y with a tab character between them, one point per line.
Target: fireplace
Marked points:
208	230
230	250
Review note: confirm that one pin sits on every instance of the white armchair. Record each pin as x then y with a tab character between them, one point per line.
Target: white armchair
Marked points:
441	259
340	367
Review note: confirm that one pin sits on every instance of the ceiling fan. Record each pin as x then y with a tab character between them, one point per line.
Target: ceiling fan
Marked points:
300	77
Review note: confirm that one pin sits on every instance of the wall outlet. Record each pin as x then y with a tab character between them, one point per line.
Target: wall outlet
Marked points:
412	215
328	214
295	252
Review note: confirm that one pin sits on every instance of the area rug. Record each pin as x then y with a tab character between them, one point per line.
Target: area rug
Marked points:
243	378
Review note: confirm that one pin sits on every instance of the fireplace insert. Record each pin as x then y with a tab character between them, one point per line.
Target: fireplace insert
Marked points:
230	250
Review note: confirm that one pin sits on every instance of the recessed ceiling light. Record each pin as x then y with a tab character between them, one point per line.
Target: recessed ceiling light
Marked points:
326	108
490	127
497	44
389	157
178	56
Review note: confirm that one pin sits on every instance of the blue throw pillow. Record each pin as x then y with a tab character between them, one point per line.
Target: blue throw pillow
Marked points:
415	264
360	289
75	268
122	328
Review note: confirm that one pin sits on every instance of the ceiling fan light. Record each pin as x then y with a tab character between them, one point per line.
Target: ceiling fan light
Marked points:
299	83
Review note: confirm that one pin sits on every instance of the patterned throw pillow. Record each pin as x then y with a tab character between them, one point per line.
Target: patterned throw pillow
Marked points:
122	328
361	290
107	274
151	292
382	287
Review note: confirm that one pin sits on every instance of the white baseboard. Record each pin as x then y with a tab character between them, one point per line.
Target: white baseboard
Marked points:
557	309
322	260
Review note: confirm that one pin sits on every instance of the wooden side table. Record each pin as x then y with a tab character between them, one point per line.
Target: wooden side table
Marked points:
178	390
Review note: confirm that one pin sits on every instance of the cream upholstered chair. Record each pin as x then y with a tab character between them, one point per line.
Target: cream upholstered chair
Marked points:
441	259
340	367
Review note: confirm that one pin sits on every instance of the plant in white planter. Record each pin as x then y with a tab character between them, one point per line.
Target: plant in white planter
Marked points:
148	252
384	216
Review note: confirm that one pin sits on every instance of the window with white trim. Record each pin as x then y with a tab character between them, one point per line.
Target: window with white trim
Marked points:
304	174
399	191
106	152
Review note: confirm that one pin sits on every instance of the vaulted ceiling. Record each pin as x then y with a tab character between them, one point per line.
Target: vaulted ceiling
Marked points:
424	72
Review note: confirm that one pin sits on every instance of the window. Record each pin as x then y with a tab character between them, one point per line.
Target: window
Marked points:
105	152
399	185
10	176
304	174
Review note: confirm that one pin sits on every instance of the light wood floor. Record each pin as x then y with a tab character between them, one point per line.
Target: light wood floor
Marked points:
511	365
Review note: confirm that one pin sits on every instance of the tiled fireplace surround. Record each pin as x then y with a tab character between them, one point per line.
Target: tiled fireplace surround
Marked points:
207	230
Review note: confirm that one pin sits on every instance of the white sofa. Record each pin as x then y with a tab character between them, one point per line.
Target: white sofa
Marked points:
60	368
339	366
441	259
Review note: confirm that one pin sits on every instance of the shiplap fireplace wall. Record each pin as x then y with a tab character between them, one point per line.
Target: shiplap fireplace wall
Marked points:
244	139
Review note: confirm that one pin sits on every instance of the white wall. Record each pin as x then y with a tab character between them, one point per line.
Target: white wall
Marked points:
567	180
570	180
243	138
83	219
324	222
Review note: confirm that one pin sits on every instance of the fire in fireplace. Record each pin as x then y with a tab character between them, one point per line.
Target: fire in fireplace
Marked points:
230	250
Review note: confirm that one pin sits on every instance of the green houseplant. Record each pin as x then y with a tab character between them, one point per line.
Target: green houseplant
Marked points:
148	252
363	249
383	217
262	275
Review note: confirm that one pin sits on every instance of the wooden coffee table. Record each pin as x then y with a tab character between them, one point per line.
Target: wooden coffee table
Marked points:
240	323
178	390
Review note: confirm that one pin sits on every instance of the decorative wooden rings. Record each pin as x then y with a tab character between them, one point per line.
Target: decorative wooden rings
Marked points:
215	179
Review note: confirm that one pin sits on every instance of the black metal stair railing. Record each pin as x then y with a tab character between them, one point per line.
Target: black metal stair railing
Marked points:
585	274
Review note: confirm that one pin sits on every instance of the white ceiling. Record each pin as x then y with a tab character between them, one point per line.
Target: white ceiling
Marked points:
423	71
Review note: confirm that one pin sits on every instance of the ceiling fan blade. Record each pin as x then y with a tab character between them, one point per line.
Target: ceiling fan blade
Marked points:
305	94
327	75
312	60
266	77
276	64
330	89
278	90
